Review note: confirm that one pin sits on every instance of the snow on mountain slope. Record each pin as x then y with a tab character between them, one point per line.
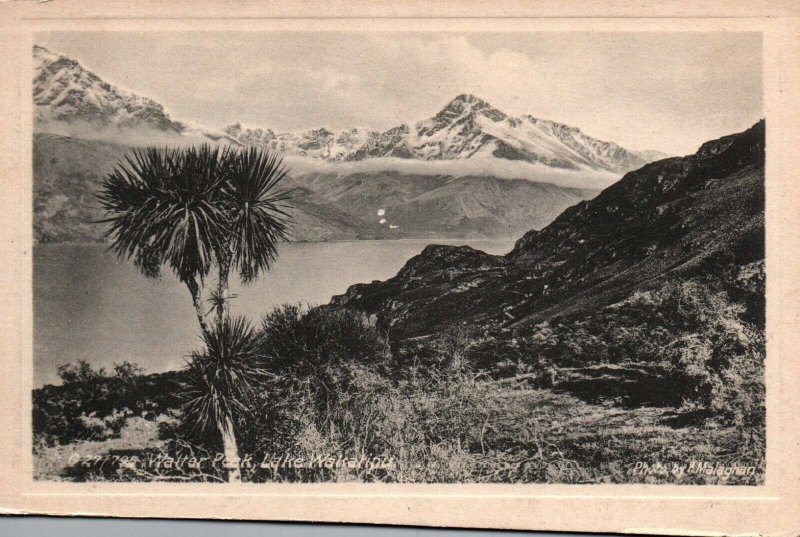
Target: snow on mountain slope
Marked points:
64	90
65	93
467	127
316	143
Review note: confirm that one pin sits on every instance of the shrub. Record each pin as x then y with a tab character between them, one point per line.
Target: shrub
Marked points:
91	404
505	357
321	382
717	358
300	341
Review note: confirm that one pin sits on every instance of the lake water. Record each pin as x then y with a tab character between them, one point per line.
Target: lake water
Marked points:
89	306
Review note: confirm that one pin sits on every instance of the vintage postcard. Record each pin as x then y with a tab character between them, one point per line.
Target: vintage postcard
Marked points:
495	267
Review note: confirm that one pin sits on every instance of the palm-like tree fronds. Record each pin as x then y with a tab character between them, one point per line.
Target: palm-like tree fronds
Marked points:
222	378
257	211
163	207
189	208
217	299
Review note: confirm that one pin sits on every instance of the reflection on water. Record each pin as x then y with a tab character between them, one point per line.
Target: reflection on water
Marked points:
87	305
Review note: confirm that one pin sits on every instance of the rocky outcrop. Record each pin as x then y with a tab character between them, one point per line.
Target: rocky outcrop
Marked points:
427	286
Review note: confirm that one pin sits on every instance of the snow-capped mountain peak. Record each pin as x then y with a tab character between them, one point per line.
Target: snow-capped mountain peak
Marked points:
466	127
63	90
67	93
466	105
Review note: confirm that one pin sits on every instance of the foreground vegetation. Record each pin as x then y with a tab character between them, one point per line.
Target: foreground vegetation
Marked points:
633	393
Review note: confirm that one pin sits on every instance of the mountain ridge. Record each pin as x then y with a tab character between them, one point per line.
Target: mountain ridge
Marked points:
64	91
467	127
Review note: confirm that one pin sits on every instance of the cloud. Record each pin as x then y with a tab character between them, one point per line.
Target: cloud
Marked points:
475	166
299	166
137	137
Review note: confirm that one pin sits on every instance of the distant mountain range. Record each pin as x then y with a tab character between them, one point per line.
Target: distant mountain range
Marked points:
470	170
468	127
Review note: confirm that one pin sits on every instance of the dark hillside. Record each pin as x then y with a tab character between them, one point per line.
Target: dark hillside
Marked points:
696	216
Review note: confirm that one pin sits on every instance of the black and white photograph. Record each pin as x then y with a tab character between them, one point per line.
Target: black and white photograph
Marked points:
409	257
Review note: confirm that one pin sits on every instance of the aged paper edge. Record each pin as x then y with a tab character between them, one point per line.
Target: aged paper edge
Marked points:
771	509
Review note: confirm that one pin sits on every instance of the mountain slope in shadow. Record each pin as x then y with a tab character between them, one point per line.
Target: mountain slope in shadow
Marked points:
68	171
678	218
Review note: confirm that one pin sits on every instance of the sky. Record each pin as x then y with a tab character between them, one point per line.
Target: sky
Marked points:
665	91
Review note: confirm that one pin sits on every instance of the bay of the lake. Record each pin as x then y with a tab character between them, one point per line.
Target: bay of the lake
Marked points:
90	306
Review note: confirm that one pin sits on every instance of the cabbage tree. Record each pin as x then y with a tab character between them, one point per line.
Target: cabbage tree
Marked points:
204	213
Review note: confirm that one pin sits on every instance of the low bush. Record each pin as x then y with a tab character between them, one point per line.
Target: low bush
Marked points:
92	404
716	358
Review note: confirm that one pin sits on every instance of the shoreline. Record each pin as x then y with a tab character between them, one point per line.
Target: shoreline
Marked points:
338	241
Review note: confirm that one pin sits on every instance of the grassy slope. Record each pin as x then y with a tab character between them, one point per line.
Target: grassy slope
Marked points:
524	436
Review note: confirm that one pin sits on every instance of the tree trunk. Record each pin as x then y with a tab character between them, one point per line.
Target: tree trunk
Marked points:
194	290
230	450
223	307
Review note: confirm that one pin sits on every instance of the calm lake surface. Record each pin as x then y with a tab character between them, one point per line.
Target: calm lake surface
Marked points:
89	306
